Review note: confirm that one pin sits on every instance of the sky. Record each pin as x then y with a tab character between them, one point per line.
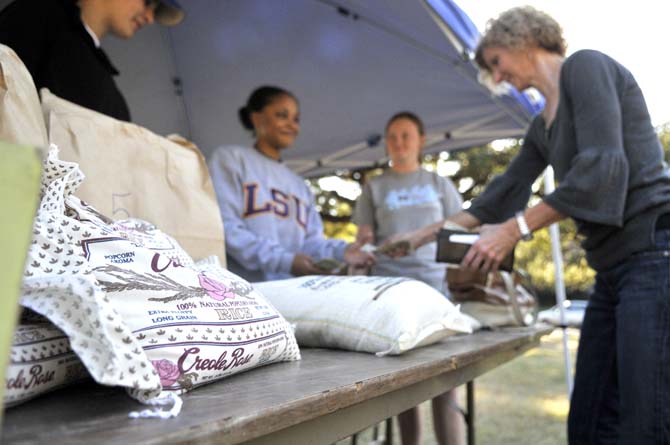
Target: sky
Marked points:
636	33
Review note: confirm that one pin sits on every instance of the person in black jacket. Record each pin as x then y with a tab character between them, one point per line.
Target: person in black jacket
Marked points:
59	42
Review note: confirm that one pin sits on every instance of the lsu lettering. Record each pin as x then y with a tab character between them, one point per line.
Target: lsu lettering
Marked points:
281	204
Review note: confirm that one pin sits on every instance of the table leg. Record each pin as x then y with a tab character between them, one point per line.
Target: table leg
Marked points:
470	413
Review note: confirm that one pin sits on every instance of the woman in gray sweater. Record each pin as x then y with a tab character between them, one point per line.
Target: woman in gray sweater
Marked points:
273	229
596	133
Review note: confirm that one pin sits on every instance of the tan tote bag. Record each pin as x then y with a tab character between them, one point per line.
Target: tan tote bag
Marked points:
496	298
134	173
21	120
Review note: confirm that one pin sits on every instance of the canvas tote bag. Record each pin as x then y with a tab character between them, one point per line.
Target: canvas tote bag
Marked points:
495	299
134	173
21	120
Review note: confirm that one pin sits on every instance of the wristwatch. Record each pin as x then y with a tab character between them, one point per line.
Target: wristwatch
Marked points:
526	234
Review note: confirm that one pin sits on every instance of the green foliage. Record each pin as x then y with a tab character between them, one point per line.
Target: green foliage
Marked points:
535	257
664	135
479	165
340	230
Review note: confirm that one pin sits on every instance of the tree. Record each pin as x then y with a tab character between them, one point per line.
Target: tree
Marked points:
664	135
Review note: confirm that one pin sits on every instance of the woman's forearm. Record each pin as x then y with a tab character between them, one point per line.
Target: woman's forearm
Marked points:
542	215
465	219
428	234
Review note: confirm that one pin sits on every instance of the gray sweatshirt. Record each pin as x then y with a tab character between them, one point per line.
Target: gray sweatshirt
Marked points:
607	159
268	214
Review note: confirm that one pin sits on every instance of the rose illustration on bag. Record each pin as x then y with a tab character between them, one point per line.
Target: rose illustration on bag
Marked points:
215	289
167	371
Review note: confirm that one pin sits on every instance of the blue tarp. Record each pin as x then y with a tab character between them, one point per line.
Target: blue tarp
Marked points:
458	22
468	35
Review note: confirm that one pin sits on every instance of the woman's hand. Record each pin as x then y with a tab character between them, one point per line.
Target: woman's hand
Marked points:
399	245
495	242
303	265
354	256
365	235
402	244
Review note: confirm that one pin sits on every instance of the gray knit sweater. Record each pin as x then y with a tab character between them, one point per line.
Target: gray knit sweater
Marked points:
607	159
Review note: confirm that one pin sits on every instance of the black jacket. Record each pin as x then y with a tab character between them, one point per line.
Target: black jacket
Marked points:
50	39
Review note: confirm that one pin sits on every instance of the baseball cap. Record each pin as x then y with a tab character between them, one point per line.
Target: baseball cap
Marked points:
168	12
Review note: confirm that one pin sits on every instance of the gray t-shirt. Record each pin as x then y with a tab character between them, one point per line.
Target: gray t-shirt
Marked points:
400	202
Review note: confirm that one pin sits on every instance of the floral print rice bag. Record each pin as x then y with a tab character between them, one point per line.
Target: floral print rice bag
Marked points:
137	310
41	361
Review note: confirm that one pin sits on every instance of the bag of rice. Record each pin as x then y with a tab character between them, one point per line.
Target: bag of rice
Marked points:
41	361
137	310
382	315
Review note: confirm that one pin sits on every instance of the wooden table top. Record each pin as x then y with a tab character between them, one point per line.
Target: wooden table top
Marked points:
255	403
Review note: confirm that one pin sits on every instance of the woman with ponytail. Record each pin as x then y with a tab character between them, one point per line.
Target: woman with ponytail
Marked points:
273	230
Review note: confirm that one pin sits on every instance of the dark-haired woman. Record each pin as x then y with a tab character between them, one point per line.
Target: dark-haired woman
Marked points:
402	199
595	131
273	230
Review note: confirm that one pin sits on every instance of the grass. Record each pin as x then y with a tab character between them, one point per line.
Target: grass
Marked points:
521	402
525	401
